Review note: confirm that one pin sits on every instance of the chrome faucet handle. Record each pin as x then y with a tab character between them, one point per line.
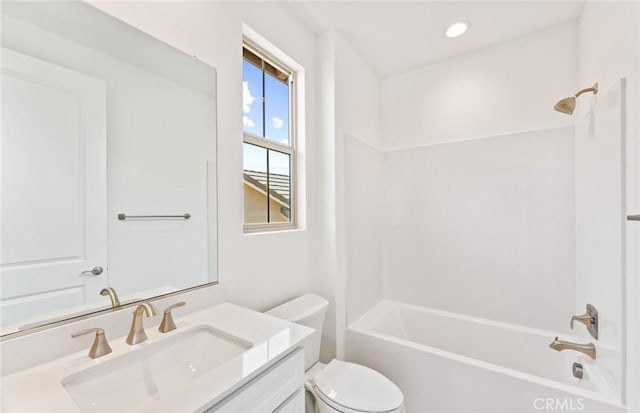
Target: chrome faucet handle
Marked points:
137	333
589	319
100	346
167	323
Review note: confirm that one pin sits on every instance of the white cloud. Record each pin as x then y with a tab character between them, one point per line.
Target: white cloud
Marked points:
247	99
277	122
247	123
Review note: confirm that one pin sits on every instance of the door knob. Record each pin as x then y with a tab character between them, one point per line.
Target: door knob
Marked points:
94	271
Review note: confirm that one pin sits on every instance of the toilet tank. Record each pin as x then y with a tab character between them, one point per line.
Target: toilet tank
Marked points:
308	310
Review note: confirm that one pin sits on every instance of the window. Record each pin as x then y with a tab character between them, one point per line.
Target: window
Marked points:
269	142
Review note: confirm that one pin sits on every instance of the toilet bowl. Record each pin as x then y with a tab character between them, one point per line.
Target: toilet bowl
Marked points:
349	387
338	386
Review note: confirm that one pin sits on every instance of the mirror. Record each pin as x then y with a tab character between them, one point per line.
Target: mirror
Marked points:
108	165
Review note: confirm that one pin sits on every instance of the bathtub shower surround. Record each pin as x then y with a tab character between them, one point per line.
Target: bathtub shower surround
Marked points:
458	225
484	227
364	177
478	240
599	153
497	366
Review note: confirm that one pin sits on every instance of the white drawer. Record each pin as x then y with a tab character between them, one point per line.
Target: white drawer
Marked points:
270	390
294	404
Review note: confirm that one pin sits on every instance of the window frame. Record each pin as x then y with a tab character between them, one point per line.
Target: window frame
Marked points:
269	144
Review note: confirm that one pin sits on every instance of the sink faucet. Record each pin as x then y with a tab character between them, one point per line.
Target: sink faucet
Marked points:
136	333
588	349
100	347
167	324
115	302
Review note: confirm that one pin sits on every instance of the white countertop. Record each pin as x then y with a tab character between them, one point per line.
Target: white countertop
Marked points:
39	388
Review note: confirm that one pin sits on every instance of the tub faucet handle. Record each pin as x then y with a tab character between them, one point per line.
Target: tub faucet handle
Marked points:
585	319
589	319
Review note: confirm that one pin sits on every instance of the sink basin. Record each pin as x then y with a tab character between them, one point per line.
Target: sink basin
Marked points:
140	377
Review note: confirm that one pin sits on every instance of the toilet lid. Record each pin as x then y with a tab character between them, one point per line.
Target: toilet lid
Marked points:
357	387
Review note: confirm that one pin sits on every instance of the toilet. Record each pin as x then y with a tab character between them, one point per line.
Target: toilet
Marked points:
338	386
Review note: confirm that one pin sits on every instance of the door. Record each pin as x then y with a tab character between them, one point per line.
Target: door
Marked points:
53	177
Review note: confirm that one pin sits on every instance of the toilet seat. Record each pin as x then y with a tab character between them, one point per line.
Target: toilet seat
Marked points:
349	387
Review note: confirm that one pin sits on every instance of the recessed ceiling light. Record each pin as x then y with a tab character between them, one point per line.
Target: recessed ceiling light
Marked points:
457	29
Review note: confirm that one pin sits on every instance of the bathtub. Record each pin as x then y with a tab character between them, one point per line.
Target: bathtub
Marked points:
448	362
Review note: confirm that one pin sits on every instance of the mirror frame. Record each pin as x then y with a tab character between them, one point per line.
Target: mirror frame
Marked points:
54	324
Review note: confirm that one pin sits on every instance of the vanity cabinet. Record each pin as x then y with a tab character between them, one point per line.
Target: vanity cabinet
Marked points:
278	389
294	404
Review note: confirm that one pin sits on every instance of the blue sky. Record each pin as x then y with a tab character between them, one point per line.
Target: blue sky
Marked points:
273	124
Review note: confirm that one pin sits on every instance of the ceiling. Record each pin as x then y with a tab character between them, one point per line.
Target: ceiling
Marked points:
397	36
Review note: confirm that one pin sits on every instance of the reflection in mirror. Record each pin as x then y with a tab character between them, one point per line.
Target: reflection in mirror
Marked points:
100	119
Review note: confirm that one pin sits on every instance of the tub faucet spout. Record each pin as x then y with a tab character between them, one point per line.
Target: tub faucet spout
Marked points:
588	349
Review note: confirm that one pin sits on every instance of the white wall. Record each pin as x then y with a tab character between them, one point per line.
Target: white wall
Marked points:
500	89
609	48
357	106
323	280
357	131
358	96
257	271
349	108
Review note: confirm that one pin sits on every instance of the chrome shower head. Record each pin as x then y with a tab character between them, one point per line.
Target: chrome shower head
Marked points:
568	105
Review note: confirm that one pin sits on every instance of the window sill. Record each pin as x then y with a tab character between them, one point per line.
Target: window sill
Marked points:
258	229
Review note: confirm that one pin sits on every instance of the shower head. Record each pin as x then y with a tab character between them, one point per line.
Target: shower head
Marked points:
568	105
